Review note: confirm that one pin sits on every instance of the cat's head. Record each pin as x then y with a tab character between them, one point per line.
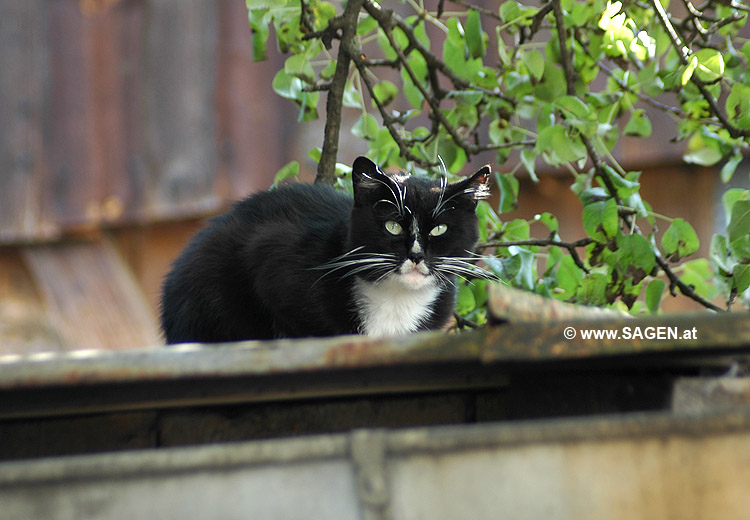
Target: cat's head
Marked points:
416	230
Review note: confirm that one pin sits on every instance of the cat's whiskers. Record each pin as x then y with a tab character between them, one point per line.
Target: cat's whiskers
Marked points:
374	268
461	267
349	261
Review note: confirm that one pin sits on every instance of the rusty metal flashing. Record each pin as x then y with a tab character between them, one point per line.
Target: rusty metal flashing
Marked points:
509	343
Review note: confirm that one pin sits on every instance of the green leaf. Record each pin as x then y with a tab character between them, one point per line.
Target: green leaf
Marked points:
508	186
287	171
329	70
710	65
572	106
593	289
679	240
689	70
740	249
366	127
719	255
569	277
385	92
635	256
625	186
741	275
600	220
731	196
474	35
465	301
315	154
352	98
739	225
534	62
517	229
738	105
455	55
549	220
727	171
654	294
697	273
528	158
552	86
298	65
702	153
366	25
412	94
555	142
259	32
639	124
453	155
526	277
286	86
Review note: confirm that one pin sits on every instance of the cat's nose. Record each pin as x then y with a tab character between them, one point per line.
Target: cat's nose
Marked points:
416	256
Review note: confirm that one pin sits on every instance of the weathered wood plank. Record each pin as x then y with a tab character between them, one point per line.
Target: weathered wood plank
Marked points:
93	103
91	296
24	326
179	127
71	184
24	69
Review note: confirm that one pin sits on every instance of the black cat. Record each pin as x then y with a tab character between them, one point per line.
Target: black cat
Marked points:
307	260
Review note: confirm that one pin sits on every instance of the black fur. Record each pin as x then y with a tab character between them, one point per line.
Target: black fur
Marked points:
283	263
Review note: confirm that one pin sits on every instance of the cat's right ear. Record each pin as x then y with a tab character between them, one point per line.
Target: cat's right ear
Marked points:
366	178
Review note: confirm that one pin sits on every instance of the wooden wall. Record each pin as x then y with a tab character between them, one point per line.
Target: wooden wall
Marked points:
129	111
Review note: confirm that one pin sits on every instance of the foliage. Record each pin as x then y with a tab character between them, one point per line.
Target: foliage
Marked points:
553	83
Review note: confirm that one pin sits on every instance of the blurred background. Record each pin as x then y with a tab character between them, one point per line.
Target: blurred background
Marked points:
125	123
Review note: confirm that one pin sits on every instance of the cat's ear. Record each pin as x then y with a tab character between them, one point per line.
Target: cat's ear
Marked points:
366	179
476	187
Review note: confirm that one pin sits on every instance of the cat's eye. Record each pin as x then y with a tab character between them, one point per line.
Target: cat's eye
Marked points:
438	230
394	228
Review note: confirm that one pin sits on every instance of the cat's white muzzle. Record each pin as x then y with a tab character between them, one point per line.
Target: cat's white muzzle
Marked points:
415	275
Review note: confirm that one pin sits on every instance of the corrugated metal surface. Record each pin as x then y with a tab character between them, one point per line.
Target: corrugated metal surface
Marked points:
641	466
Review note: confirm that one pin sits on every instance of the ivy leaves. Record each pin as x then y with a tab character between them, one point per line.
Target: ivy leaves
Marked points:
532	88
730	253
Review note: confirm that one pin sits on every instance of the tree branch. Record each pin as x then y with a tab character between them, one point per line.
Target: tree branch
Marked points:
685	289
348	22
567	63
543	242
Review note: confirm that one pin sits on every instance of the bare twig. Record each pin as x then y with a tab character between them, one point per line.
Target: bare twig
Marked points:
543	242
675	282
646	99
348	22
464	323
567	63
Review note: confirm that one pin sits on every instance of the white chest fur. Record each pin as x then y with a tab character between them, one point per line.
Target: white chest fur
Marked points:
389	308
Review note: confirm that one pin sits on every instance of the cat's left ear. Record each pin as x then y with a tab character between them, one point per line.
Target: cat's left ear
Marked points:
476	187
366	177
